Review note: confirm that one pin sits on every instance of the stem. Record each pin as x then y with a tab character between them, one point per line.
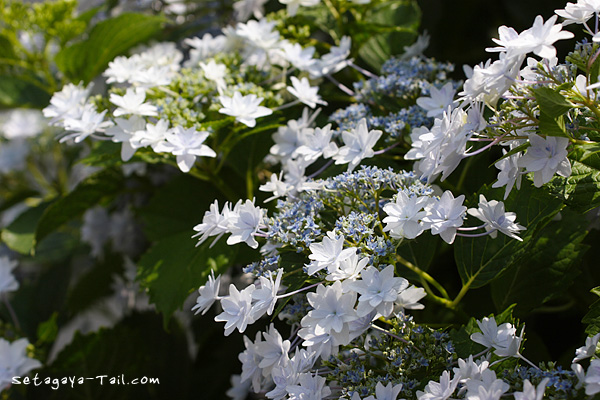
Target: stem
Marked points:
474	235
288	105
340	86
472	228
378	152
323	168
426	277
390	334
363	71
298	291
463	292
11	312
484	148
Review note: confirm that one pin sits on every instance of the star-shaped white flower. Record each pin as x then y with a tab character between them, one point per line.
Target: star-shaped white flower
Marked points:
245	109
186	144
132	102
358	145
305	93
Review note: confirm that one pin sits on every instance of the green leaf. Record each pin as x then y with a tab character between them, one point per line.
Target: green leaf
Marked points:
136	347
107	40
553	126
592	318
551	265
87	194
18	92
481	260
173	268
20	234
48	330
94	284
420	251
7	49
551	102
401	20
580	190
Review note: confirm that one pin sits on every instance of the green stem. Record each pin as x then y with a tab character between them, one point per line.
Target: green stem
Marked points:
462	293
426	279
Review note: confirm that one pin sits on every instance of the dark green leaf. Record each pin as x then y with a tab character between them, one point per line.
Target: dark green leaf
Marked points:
86	195
20	234
420	251
136	347
592	318
292	264
581	190
6	48
107	40
94	284
551	265
174	267
481	260
400	19
17	92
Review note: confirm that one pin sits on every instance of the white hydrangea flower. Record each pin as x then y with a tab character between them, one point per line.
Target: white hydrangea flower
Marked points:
496	219
237	307
186	145
8	283
545	157
245	109
358	145
208	293
132	102
305	93
14	361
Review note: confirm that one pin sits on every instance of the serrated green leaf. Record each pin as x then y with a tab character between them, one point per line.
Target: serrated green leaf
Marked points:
108	39
581	190
481	260
553	126
592	318
551	102
20	234
87	194
551	265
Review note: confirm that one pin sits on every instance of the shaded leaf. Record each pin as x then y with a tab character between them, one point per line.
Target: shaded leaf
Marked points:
107	40
481	260
87	194
17	92
20	234
551	265
173	268
592	318
136	347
